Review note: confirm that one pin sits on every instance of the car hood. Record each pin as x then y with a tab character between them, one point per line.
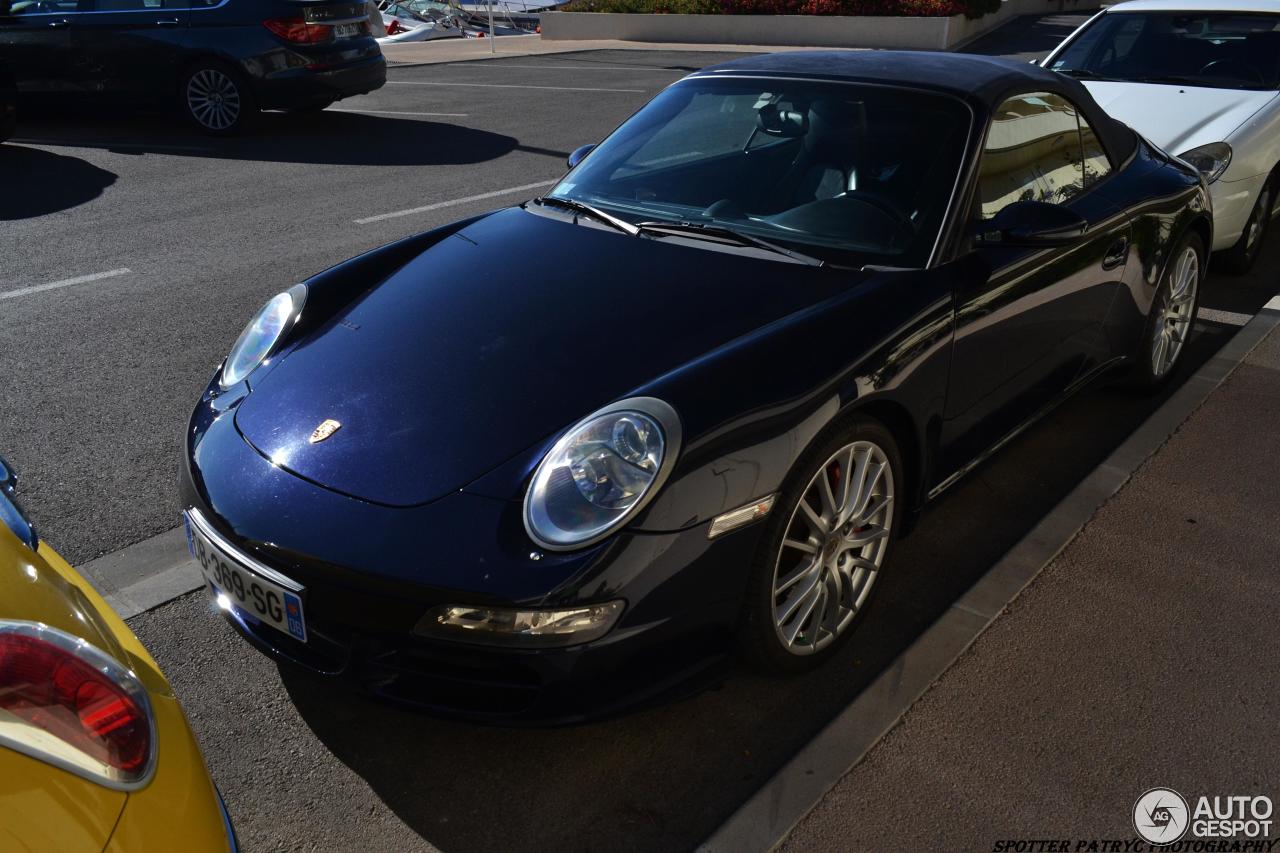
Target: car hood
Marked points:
496	338
1178	118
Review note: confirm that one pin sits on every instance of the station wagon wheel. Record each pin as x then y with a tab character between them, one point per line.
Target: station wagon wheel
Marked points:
214	99
832	532
1239	259
1172	315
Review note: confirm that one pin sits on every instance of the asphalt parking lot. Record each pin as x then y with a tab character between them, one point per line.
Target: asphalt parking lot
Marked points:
189	236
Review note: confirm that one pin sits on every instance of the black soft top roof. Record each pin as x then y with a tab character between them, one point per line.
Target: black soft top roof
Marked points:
986	80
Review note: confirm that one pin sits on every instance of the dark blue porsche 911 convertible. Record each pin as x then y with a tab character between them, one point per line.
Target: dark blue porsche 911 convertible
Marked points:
539	462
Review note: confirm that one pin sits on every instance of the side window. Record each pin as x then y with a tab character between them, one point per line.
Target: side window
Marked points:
1032	154
42	7
1096	164
138	5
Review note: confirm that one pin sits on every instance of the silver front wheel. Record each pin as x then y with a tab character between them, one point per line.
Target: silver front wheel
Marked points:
1175	312
833	547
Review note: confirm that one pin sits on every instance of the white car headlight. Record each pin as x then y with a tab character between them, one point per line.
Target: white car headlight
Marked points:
601	473
1212	159
262	334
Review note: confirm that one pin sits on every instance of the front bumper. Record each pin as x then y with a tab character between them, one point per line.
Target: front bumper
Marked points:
370	572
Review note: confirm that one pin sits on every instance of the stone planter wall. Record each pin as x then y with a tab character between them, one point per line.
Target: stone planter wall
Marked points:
798	30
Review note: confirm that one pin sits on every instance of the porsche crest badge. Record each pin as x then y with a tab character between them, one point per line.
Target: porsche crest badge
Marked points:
326	429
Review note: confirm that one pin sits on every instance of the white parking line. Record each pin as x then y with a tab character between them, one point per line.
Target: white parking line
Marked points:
66	282
1230	318
396	113
1273	304
510	86
454	201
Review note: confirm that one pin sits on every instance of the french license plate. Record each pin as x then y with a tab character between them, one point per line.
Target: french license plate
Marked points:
249	592
346	31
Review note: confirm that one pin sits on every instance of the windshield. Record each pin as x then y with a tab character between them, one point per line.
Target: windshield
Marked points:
850	174
1227	50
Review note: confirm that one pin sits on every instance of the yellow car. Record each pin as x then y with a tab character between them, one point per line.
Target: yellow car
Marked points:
95	752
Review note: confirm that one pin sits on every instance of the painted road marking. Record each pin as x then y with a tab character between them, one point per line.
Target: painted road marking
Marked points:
1273	304
584	67
66	282
511	86
396	113
1231	318
478	197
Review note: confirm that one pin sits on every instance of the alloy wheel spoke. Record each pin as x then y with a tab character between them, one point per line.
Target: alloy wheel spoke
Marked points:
797	599
806	568
810	601
816	522
866	535
875	509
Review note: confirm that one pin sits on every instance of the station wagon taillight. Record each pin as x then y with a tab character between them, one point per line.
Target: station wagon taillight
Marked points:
299	31
65	702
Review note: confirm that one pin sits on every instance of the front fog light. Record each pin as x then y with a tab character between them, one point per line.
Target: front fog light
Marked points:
530	628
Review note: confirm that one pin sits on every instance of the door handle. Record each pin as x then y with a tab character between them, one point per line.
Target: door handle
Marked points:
60	24
168	22
1116	255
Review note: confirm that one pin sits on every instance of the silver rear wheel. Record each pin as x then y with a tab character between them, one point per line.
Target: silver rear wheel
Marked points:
833	547
214	100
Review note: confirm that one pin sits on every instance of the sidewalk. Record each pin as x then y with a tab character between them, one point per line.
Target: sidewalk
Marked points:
1146	655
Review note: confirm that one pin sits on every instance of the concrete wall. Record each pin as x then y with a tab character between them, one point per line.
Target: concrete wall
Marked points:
801	30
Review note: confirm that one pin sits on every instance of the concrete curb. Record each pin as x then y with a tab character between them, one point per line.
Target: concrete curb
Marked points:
765	820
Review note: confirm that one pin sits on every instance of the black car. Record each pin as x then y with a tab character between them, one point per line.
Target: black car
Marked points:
548	459
8	102
217	60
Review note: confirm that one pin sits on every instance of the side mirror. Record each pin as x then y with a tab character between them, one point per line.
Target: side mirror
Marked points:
11	514
578	153
1031	223
8	479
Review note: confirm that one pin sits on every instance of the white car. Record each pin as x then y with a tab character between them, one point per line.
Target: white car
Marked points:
1200	79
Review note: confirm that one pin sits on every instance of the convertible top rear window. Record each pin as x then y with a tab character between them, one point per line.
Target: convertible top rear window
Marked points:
849	173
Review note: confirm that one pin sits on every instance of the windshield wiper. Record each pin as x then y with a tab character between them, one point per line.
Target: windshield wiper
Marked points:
581	207
723	234
1086	74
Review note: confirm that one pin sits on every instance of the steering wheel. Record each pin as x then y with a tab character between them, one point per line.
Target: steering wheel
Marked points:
882	203
1238	70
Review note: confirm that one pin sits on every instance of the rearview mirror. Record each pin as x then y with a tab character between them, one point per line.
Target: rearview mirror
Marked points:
1031	223
574	158
788	124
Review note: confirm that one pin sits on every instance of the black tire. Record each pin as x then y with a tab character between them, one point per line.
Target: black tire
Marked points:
1240	258
214	98
1144	376
760	636
8	118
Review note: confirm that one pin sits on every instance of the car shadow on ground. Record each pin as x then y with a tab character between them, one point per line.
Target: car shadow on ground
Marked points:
36	183
665	777
331	137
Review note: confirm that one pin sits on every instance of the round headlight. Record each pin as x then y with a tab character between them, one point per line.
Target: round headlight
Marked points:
601	473
262	334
